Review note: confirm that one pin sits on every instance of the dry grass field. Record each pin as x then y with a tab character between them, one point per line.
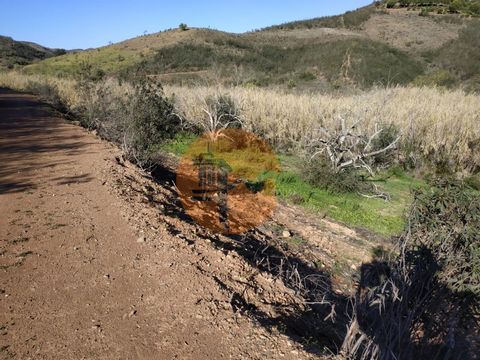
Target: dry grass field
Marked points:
438	124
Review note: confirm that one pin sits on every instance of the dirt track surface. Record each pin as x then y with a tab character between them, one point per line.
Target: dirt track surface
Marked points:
91	272
98	261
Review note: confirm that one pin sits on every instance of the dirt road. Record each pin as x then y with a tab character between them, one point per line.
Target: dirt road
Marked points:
90	271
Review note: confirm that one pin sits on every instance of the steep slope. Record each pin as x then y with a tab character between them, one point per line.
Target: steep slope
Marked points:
14	53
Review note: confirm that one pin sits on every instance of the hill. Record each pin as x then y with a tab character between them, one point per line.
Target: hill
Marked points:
13	53
369	46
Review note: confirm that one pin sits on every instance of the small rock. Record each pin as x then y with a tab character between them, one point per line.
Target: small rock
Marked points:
286	234
141	239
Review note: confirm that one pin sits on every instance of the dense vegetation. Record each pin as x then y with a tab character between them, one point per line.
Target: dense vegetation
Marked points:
431	283
351	20
464	7
461	57
372	62
13	53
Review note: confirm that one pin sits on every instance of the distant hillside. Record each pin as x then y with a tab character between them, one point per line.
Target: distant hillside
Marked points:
356	18
264	60
13	53
111	58
350	20
376	44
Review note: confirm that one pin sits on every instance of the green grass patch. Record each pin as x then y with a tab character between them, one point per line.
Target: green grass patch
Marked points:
382	217
109	59
179	144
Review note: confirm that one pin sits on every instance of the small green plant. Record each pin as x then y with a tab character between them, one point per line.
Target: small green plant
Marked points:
440	78
306	76
424	12
390	4
183	27
153	121
389	133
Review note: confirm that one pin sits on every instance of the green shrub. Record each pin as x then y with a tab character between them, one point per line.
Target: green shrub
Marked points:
94	97
318	172
390	4
473	181
441	78
139	123
424	12
460	57
474	8
388	135
153	121
432	284
446	220
226	109
306	76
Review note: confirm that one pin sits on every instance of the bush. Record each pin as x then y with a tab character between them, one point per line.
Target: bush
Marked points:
307	76
389	133
152	122
139	121
473	181
318	172
461	56
446	220
423	12
48	92
421	303
441	78
390	4
225	108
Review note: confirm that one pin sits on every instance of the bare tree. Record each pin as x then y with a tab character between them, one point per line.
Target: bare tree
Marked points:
347	146
221	113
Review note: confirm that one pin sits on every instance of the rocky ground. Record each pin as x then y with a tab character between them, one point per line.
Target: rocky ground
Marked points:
98	260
